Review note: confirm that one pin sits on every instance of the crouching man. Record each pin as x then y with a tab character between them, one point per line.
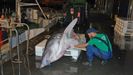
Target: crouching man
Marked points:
98	45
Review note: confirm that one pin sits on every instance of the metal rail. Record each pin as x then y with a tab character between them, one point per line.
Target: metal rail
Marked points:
27	46
12	28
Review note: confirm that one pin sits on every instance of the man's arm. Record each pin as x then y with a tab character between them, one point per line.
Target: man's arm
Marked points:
81	45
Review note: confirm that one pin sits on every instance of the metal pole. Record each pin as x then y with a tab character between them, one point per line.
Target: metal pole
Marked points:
28	33
27	48
41	9
18	50
10	48
18	10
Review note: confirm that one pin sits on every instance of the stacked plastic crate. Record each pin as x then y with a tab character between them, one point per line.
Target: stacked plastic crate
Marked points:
124	26
123	42
123	33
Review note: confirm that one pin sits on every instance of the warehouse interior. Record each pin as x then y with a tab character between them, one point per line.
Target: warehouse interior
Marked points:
28	26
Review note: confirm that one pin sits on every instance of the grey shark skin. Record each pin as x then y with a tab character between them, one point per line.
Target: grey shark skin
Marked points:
58	44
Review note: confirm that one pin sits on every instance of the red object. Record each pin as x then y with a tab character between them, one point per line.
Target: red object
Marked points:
72	11
78	14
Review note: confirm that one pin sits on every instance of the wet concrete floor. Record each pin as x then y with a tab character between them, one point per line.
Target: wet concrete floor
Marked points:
120	64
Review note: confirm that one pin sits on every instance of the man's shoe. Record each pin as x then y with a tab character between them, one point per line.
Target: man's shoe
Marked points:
104	62
87	63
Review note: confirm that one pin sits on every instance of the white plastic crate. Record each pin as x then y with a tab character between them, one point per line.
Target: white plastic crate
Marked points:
123	42
124	26
39	48
73	52
124	34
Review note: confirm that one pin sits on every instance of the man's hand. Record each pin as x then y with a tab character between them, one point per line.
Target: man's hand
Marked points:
81	45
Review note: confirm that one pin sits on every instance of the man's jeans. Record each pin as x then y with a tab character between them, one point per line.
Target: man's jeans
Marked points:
93	51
